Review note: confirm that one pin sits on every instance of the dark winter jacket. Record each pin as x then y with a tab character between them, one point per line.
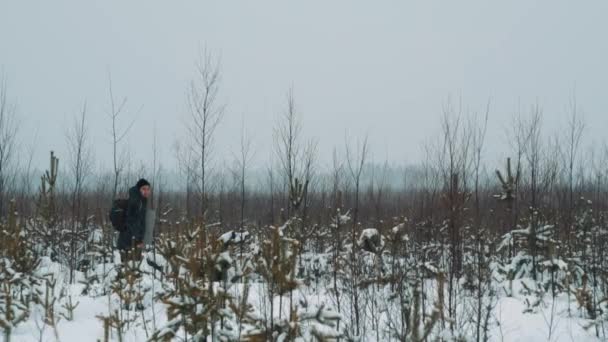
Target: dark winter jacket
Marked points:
135	222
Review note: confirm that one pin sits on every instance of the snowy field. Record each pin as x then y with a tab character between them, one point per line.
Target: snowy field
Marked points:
511	318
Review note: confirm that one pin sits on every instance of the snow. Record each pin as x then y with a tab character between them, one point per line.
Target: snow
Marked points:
520	308
554	320
233	237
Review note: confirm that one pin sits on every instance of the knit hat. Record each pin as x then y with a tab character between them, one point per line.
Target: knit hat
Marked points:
142	182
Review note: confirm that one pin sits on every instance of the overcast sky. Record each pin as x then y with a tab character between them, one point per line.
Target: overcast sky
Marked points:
379	67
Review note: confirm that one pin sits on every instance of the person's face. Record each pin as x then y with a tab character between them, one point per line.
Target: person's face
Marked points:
145	191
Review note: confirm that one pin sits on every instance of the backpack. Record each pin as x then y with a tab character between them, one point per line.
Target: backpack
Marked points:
118	214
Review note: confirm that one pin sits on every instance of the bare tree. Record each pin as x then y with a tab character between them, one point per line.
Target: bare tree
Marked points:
80	168
289	150
534	150
355	163
575	128
378	190
309	172
156	202
206	111
482	274
296	159
8	133
271	183
242	162
518	138
186	168
533	153
155	166
27	174
119	131
452	188
337	173
455	161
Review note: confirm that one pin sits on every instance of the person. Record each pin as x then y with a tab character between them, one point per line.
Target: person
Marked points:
131	240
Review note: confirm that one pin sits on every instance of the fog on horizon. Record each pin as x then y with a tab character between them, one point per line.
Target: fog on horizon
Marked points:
382	69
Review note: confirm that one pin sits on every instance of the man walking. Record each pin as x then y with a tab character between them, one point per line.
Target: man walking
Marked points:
131	239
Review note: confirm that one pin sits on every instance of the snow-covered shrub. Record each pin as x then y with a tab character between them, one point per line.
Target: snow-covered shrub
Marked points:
18	279
195	305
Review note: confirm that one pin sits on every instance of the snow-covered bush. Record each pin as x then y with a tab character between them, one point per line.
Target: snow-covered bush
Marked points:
18	278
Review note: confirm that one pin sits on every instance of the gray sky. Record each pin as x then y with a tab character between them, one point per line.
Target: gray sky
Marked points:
381	67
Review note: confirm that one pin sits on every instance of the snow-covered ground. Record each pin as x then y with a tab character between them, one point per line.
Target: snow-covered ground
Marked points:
512	319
